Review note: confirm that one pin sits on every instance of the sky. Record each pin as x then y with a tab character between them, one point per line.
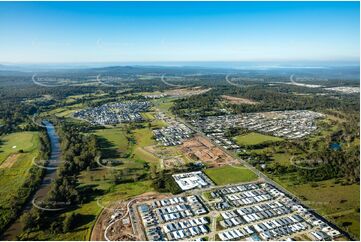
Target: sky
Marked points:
80	32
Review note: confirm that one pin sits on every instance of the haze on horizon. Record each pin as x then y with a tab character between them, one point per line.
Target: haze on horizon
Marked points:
82	32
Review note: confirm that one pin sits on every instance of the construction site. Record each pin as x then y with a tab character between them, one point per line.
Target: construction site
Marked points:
200	149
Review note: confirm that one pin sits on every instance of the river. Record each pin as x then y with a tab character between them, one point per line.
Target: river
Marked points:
54	161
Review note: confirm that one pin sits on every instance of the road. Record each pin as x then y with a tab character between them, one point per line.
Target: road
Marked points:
119	219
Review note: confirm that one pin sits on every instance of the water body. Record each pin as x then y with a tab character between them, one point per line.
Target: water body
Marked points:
54	161
335	146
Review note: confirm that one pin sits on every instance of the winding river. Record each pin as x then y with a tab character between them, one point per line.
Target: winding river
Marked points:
54	161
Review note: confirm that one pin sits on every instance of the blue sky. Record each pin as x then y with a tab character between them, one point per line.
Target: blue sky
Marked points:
71	32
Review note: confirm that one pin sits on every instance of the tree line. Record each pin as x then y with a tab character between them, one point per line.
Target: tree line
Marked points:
79	152
8	214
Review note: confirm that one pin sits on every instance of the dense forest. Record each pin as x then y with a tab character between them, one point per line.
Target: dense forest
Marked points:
273	98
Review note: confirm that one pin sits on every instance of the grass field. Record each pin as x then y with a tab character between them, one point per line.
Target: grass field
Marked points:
116	136
164	105
12	143
254	138
116	143
148	115
155	123
144	138
338	203
13	175
230	174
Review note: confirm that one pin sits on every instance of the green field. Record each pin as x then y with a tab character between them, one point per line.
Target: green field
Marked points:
116	144
336	202
155	123
230	174
144	138
12	143
148	115
254	138
116	136
15	166
164	105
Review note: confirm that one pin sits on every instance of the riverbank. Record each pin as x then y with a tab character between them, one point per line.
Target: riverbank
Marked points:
42	172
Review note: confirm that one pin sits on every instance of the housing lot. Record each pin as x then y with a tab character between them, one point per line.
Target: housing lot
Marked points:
172	135
175	218
114	113
288	124
247	211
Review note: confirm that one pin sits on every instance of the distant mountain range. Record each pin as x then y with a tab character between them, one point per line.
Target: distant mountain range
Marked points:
320	70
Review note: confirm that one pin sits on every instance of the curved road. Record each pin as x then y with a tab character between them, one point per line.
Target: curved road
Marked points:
126	214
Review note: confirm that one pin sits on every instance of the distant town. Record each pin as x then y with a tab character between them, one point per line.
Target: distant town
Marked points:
114	113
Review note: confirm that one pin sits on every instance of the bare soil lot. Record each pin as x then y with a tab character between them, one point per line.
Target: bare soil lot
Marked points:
239	100
199	148
170	157
8	163
184	92
121	229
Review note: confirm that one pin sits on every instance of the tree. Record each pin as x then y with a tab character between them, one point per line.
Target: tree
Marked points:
28	221
69	222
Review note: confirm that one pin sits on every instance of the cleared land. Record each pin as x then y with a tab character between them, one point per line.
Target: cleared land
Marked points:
230	174
164	105
199	148
185	92
170	156
254	138
114	145
238	100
